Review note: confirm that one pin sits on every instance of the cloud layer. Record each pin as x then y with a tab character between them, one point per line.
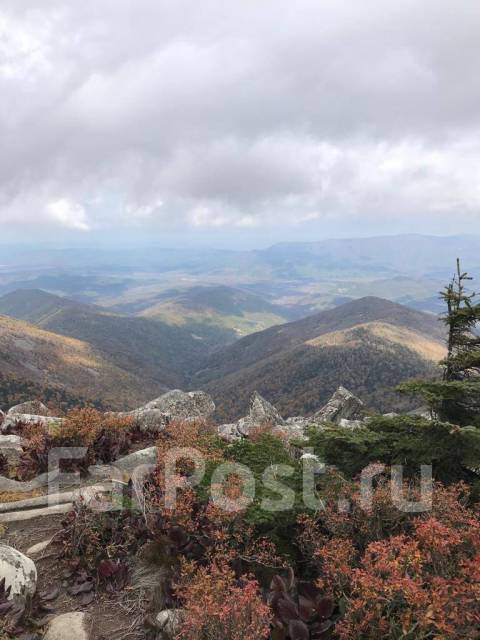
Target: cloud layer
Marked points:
239	115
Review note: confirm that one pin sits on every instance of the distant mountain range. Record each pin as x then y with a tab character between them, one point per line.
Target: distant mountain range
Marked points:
296	279
292	321
369	345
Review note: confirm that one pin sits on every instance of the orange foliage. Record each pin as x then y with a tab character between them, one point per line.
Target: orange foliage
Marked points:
400	576
219	607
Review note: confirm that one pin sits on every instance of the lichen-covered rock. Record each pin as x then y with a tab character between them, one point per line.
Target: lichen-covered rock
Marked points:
32	407
75	625
229	432
149	420
262	411
342	405
183	404
19	572
12	420
173	405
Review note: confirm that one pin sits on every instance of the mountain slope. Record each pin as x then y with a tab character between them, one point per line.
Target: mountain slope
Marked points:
160	355
221	312
369	346
41	358
251	349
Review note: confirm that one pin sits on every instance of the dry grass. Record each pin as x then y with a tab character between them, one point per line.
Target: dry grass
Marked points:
15	496
428	348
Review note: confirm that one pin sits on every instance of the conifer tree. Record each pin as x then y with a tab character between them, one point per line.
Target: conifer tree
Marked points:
456	397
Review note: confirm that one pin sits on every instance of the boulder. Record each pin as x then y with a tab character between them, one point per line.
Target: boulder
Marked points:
295	427
181	405
128	464
342	405
32	407
149	420
421	412
11	450
168	621
19	572
229	432
75	625
12	420
261	413
173	405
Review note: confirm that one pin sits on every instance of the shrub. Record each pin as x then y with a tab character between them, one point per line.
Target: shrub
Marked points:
217	606
105	437
258	455
453	452
399	576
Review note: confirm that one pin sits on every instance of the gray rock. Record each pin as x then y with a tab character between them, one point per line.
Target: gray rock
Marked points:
342	405
261	411
39	547
32	514
392	414
11	450
421	412
75	625
17	486
350	424
129	463
229	432
12	420
32	407
19	572
169	620
173	405
149	420
181	405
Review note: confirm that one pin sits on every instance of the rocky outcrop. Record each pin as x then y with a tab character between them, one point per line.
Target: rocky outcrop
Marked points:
75	625
173	405
342	405
183	404
262	413
13	420
32	407
19	572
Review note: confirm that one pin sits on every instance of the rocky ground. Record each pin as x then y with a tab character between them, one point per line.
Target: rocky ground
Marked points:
30	524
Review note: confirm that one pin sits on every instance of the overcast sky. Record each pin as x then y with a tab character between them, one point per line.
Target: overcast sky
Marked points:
249	119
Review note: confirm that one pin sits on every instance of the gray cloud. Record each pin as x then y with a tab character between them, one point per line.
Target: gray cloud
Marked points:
239	114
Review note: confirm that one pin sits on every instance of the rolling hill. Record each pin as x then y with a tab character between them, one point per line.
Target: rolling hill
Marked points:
369	345
36	360
155	354
219	313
